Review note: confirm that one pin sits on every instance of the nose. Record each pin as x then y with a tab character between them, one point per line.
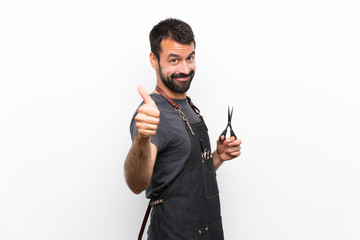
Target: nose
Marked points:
184	67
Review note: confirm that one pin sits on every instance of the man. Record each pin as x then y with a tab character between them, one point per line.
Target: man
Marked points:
170	155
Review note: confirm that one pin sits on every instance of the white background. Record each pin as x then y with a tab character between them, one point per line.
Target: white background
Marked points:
69	71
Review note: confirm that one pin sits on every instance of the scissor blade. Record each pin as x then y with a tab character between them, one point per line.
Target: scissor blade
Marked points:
230	114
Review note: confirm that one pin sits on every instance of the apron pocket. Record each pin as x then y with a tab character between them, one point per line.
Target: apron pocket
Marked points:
213	231
209	175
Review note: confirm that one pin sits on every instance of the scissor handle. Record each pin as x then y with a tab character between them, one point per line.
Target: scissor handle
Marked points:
223	133
232	134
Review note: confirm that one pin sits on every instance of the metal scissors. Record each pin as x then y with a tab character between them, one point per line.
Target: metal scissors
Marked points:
232	134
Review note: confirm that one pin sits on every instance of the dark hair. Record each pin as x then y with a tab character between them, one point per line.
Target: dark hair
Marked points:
172	28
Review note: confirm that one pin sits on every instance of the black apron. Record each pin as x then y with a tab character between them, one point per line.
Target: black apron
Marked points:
189	208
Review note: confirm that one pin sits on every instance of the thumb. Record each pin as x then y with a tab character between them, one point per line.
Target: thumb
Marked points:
145	95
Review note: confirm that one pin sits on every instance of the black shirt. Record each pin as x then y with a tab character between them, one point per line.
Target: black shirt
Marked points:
172	141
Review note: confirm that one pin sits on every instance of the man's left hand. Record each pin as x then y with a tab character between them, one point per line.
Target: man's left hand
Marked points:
228	149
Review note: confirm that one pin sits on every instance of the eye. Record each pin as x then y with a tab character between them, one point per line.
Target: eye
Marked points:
191	58
174	60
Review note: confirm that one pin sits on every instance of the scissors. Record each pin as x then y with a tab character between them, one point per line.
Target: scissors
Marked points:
232	134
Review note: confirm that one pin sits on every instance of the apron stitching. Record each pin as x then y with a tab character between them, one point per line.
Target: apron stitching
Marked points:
206	185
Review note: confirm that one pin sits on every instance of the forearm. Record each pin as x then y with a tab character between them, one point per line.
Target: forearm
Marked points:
216	160
139	164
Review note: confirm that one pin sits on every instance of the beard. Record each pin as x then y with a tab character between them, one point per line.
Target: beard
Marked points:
173	84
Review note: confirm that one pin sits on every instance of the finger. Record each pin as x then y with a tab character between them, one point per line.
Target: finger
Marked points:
145	95
147	119
230	140
232	150
235	142
146	126
222	137
147	133
148	110
235	154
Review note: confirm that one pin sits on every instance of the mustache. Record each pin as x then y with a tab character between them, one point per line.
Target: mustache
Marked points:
182	75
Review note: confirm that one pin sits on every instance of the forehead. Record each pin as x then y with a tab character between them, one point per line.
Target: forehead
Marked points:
169	46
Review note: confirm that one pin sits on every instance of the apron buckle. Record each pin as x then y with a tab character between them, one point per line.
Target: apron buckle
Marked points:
156	202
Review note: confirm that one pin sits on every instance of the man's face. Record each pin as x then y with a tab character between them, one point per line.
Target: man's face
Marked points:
176	65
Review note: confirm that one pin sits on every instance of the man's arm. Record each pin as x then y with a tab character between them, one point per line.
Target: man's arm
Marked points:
225	151
139	162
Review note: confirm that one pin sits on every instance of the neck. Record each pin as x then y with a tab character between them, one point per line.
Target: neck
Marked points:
169	92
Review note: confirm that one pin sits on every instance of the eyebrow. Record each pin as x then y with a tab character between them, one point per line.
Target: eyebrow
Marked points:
177	56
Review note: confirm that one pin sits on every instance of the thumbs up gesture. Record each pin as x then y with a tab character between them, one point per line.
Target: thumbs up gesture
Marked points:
148	116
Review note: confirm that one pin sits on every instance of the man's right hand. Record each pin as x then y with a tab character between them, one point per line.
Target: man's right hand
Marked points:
148	116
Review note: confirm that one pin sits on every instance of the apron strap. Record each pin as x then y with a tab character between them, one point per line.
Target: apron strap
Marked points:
144	222
151	204
177	108
162	93
196	110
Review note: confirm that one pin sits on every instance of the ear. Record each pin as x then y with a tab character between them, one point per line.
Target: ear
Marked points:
153	61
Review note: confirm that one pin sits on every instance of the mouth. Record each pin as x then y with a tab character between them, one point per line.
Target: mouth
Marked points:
182	77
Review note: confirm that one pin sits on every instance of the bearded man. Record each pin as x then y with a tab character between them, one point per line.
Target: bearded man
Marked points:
170	156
